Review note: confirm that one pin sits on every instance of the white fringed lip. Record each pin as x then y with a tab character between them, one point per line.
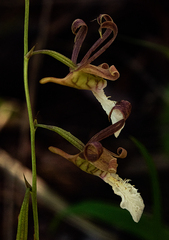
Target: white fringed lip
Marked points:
131	199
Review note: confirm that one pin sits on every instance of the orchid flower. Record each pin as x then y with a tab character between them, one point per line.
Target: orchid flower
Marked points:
97	160
86	76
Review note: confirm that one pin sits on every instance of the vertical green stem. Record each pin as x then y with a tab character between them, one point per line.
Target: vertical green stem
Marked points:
26	25
31	123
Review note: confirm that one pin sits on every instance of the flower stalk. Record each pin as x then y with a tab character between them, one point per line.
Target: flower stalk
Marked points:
31	122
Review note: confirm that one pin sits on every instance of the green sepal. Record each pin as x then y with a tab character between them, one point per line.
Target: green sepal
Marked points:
22	231
66	135
57	56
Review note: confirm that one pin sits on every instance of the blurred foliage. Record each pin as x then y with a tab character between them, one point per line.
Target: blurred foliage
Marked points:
117	218
164	122
154	46
163	118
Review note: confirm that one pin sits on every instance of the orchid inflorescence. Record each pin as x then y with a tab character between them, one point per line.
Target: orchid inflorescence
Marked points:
93	157
86	76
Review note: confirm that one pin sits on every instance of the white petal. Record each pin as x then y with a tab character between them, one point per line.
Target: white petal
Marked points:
105	102
131	199
107	105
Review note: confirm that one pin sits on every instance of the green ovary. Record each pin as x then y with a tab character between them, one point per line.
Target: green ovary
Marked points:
87	81
87	167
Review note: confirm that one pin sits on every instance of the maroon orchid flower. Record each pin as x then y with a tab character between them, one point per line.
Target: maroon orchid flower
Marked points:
97	160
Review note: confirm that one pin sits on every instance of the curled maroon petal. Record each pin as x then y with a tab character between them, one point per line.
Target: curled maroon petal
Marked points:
82	28
110	27
93	151
103	71
124	107
121	153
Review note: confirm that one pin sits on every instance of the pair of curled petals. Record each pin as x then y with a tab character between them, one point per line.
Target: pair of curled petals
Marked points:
105	22
84	75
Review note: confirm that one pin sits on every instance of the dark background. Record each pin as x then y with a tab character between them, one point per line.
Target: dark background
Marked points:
143	81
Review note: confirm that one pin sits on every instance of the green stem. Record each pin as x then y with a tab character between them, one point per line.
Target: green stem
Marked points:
26	25
31	123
